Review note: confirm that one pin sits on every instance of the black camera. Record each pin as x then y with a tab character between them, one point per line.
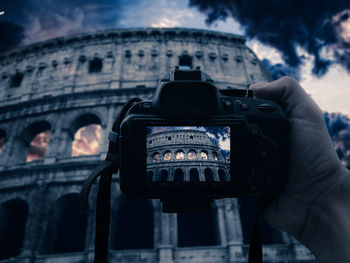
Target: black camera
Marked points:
193	143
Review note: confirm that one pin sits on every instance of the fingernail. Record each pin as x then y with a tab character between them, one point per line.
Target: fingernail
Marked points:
257	85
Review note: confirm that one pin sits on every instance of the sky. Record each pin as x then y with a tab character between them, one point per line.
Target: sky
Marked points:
308	39
220	135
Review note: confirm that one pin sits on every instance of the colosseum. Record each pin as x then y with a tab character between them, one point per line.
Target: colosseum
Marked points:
185	155
58	100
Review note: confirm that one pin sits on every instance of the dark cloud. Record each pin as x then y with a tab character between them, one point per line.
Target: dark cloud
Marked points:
339	129
336	122
31	21
279	70
287	24
11	35
342	48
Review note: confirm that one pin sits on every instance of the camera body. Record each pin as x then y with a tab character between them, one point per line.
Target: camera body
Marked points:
193	143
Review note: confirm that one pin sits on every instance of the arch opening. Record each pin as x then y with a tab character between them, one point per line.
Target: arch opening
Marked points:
95	65
155	157
128	231
269	235
180	155
194	175
192	155
13	220
208	174
204	155
87	140
167	156
222	175
178	175
38	146
66	227
32	142
197	229
163	175
149	176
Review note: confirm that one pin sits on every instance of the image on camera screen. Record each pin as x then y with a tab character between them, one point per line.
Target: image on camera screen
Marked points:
188	153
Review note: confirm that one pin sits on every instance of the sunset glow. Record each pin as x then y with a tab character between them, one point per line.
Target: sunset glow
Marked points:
38	146
87	140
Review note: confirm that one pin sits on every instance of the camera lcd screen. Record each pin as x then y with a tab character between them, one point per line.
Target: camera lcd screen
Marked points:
188	153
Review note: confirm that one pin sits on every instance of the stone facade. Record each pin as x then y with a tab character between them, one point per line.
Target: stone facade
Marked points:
185	155
63	84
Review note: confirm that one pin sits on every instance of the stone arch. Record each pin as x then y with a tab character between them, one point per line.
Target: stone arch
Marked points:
167	155
179	155
66	227
84	119
198	229
269	235
204	155
222	175
13	220
127	230
208	175
215	156
86	133
163	175
192	154
155	157
24	145
194	175
150	176
179	175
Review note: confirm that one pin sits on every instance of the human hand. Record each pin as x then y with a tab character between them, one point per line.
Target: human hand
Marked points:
315	176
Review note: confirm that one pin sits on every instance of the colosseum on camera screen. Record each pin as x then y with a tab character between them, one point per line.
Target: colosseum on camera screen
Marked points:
188	153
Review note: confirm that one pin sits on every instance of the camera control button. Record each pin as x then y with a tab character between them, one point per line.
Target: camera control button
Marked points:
265	107
244	106
147	105
254	132
227	103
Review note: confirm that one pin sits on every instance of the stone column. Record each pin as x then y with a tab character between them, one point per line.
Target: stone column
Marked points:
234	229
36	222
221	222
91	226
65	140
54	141
165	245
15	148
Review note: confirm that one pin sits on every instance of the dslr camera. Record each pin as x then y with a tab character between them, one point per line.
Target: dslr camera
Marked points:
193	143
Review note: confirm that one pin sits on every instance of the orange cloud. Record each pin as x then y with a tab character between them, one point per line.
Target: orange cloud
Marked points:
38	146
87	140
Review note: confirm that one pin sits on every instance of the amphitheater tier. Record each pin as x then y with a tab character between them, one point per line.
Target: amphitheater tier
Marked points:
120	59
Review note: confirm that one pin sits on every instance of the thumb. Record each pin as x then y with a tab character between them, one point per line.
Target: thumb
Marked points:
293	98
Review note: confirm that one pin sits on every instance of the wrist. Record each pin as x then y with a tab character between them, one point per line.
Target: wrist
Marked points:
326	230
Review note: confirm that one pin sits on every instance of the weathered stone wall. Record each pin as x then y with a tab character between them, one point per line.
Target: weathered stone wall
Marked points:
49	85
130	58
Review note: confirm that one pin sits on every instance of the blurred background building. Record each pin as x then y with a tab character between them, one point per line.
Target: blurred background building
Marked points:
58	100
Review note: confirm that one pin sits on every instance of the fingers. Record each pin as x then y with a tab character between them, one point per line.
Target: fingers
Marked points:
294	99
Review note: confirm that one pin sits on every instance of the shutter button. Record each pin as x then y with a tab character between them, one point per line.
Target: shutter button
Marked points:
265	107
